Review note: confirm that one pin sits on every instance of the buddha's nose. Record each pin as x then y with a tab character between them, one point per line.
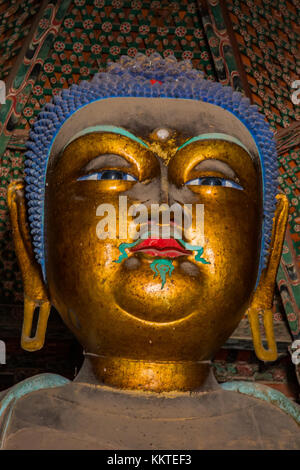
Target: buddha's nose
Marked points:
164	186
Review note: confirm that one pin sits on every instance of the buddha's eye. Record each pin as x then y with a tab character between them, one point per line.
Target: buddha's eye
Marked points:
108	175
213	181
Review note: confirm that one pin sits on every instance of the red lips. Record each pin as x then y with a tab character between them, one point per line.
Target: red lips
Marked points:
164	248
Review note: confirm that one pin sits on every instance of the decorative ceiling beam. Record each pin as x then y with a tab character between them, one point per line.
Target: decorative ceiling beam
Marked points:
28	67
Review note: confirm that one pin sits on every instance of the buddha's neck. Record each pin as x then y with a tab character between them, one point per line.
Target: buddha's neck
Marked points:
153	376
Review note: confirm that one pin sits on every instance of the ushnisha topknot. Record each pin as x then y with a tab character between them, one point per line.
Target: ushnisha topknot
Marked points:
144	76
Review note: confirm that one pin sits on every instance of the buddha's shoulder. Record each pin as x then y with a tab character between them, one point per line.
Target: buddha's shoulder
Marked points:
51	390
49	402
27	390
247	391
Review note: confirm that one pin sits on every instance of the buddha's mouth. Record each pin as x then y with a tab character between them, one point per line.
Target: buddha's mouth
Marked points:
160	247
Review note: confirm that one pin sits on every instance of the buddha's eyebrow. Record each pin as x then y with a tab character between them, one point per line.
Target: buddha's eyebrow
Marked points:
215	136
108	128
213	164
107	160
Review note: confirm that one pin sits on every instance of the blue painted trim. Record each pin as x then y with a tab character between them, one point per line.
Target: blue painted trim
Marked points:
265	393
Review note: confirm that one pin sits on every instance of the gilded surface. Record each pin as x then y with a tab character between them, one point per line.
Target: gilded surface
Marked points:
119	310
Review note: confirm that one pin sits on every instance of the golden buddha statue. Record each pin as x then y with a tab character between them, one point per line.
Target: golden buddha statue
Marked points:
106	160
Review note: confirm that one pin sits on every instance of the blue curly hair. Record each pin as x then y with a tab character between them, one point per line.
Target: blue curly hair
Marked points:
153	77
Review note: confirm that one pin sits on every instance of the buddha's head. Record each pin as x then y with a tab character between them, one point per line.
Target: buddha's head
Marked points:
102	158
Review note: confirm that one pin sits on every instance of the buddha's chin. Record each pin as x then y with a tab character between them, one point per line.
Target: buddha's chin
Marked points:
153	297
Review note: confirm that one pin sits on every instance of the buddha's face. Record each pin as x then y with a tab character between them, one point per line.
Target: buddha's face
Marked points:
122	308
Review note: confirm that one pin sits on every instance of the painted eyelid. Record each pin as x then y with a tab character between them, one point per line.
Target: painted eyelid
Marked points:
88	176
200	174
232	184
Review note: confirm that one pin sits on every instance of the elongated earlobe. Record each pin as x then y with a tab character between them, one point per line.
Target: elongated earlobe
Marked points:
263	298
35	294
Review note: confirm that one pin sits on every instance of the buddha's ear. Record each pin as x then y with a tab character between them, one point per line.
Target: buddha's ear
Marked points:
263	297
35	293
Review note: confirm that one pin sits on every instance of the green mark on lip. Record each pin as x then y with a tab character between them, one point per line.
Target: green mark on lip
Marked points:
162	267
198	249
122	249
